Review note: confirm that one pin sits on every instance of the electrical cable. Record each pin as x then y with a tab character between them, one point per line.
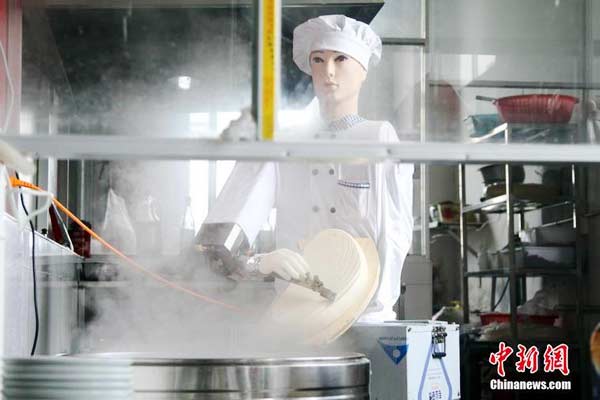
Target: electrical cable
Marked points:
157	277
501	295
35	300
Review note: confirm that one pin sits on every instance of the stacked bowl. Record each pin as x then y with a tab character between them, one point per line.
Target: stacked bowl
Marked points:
67	378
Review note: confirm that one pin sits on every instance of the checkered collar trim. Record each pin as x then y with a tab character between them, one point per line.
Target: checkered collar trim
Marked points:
346	122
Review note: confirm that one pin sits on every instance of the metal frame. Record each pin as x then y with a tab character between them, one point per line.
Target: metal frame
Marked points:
424	170
126	4
97	147
579	211
464	258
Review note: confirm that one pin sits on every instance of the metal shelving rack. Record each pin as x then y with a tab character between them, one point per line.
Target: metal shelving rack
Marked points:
510	205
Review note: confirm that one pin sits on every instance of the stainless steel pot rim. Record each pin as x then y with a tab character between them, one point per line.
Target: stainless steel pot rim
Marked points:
64	361
141	359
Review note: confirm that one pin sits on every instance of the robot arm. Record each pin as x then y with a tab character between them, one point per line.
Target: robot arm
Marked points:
235	219
227	248
233	224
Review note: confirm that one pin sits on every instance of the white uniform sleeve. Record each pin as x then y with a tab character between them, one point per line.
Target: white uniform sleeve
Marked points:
247	197
396	225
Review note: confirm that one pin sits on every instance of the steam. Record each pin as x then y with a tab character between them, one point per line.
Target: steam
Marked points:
127	312
133	314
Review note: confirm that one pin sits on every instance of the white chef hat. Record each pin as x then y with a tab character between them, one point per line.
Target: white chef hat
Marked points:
335	33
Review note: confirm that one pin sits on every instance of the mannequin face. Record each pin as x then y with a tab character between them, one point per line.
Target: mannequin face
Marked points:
337	77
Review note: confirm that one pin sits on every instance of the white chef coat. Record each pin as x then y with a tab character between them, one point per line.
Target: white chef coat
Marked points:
365	200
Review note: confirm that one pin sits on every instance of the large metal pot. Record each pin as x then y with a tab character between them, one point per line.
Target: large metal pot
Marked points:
332	377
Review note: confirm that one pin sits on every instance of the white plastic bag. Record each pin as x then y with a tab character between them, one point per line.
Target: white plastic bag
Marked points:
542	303
117	228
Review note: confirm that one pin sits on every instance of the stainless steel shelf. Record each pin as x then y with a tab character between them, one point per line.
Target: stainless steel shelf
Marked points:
112	259
454	226
531	133
104	259
52	260
105	284
518	84
498	205
505	273
588	309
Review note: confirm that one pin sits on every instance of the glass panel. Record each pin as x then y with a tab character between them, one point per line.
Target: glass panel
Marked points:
594	37
161	191
399	19
532	41
392	91
385	95
159	69
183	71
500	49
308	197
142	209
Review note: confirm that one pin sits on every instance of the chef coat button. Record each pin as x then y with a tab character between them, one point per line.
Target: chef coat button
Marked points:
332	210
317	136
315	171
331	171
333	136
315	209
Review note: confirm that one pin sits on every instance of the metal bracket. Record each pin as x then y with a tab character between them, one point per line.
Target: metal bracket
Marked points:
315	284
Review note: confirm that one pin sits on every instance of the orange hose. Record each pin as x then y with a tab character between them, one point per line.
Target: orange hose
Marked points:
19	183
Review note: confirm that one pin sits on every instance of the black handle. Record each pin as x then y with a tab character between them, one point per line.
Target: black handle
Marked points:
485	98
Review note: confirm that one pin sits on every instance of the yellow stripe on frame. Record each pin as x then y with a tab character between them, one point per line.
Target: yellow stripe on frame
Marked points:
268	73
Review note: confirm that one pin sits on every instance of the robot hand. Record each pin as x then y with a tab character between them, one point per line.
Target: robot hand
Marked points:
285	263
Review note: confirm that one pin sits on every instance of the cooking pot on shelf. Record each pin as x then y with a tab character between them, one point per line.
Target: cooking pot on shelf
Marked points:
534	108
495	173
